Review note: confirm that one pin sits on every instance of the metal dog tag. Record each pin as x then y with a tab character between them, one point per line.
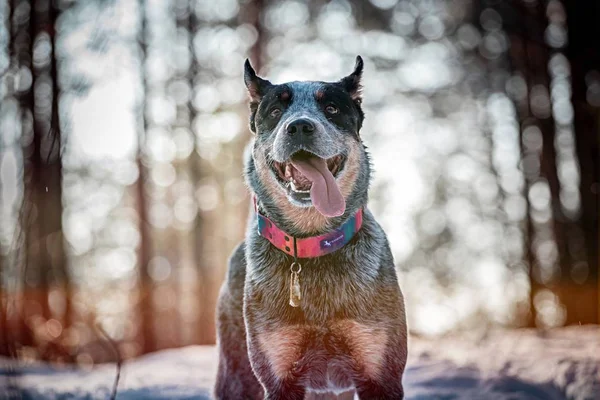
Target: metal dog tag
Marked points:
295	296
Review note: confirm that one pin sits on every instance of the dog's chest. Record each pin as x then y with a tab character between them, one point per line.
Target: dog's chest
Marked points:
325	358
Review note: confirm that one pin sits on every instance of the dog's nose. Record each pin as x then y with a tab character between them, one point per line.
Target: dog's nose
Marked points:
302	126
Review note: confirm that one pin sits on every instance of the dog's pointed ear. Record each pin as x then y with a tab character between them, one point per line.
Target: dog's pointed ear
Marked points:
257	87
352	83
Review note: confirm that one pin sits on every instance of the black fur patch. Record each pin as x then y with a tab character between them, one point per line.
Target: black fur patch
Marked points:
351	115
278	96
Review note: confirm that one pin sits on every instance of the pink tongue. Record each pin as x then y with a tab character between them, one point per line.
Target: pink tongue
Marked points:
324	193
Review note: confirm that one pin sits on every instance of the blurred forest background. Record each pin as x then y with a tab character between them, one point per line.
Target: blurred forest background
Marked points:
123	124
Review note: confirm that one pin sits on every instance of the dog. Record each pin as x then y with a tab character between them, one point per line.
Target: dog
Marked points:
311	306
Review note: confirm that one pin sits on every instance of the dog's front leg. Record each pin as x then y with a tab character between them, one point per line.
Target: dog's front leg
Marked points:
380	360
274	348
386	383
272	360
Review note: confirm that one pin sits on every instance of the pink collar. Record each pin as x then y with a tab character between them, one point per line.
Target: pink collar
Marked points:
309	247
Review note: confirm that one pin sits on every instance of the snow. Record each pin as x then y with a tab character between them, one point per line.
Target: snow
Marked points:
504	364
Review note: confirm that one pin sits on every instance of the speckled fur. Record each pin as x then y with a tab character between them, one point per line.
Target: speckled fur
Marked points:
350	331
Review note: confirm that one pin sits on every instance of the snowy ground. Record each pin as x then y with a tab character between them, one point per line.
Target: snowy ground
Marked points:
515	365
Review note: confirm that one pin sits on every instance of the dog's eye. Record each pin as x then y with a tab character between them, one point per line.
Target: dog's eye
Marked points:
331	109
274	113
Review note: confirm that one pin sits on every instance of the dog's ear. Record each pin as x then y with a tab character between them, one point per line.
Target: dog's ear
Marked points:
352	83
257	87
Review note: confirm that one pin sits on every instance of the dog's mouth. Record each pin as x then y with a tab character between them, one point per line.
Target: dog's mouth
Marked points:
297	182
311	180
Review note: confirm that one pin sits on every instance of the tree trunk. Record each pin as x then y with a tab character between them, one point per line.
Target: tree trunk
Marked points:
145	301
584	56
45	261
206	329
61	273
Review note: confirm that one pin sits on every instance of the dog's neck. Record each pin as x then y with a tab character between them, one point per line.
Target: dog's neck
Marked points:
312	246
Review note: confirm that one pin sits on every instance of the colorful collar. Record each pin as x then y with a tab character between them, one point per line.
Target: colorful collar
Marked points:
309	247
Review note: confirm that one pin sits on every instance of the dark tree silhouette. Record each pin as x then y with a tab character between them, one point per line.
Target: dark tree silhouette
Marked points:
33	49
145	301
584	57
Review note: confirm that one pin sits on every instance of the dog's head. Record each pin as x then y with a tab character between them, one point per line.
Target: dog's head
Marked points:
308	166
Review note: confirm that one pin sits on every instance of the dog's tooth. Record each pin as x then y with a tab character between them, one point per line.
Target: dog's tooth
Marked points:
295	189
